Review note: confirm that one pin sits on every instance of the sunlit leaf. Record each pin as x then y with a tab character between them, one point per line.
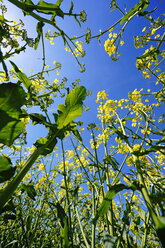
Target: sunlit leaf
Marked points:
73	107
138	8
49	8
22	76
103	209
48	148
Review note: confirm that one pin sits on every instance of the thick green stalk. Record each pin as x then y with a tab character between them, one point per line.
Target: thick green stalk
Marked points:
11	187
6	193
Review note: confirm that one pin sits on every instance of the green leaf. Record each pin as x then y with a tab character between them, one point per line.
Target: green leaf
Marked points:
112	161
60	213
43	141
71	8
5	163
6	171
22	76
75	17
9	206
12	97
49	8
39	31
73	107
10	129
138	7
29	189
66	241
37	118
161	229
58	3
103	209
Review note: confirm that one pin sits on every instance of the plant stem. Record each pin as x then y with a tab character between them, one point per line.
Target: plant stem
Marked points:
82	231
67	194
11	187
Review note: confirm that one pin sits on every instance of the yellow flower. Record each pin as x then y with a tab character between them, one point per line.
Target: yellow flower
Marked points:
153	31
144	29
121	42
114	35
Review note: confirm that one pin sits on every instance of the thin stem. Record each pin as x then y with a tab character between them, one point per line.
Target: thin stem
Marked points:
82	231
66	190
144	238
141	180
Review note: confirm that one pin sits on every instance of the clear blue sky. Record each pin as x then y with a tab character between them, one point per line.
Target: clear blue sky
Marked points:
116	78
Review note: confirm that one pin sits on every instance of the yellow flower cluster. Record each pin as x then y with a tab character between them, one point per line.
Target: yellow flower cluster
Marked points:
109	44
79	49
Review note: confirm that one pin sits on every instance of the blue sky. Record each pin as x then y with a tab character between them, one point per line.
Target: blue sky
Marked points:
116	78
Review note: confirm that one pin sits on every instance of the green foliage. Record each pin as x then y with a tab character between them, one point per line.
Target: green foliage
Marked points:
72	108
6	171
108	193
29	189
139	7
12	98
22	76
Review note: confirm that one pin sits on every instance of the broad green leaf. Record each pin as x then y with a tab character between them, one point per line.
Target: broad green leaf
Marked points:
5	163
73	107
12	97
103	209
60	213
6	171
39	31
22	76
43	141
10	129
29	189
49	8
